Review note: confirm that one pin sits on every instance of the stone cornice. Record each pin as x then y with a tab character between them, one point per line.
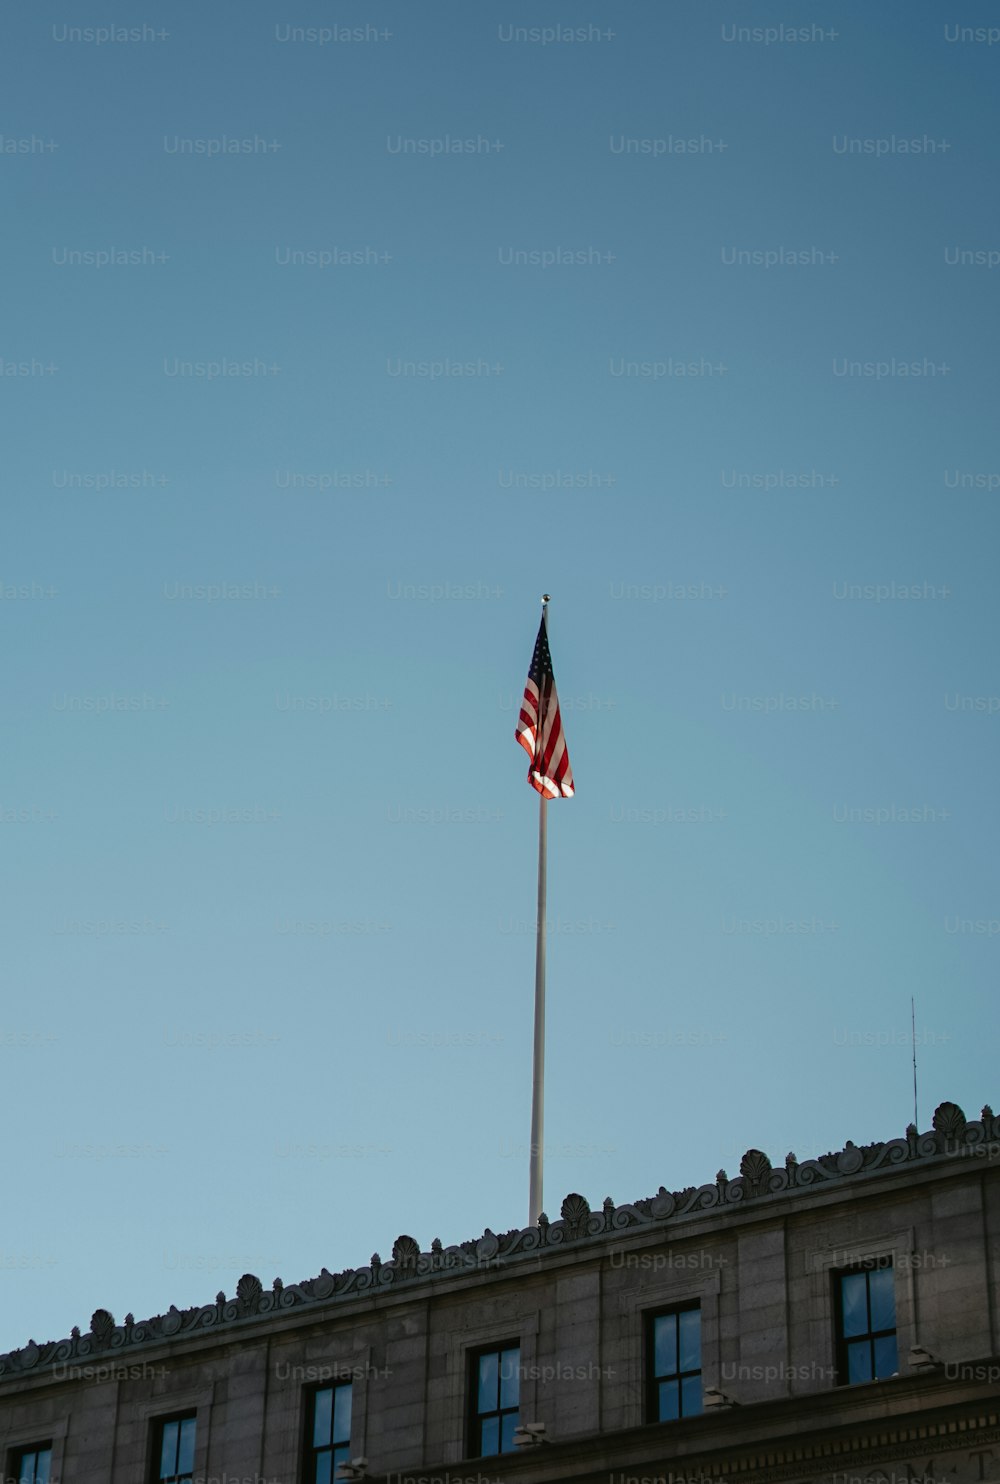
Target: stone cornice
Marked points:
952	1137
805	1437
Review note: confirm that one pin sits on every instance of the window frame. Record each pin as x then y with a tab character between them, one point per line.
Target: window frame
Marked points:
895	1247
186	1414
884	1264
474	1418
625	1406
447	1433
309	1452
23	1450
652	1388
167	1408
20	1440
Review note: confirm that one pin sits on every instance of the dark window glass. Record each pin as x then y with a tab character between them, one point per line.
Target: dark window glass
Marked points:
176	1451
689	1340
670	1401
866	1323
322	1417
882	1299
665	1344
34	1465
496	1398
691	1396
859	1363
510	1381
342	1414
508	1427
886	1359
488	1391
674	1352
328	1432
854	1287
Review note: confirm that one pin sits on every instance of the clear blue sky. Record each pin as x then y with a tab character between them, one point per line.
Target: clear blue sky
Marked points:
270	856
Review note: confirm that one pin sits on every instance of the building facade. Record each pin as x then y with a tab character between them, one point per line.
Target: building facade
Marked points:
832	1321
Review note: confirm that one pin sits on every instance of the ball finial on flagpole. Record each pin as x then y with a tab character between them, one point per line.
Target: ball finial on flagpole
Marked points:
545	597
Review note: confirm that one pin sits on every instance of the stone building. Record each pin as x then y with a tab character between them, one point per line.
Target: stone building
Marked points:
830	1320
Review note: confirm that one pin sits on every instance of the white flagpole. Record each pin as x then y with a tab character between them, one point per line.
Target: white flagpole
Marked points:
913	1028
535	1206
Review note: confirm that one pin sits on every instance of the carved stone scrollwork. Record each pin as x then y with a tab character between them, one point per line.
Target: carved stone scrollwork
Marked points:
850	1159
527	1240
204	1317
322	1287
952	1135
663	1204
487	1250
893	1152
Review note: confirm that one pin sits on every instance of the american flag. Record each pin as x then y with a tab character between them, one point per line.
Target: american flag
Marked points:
539	729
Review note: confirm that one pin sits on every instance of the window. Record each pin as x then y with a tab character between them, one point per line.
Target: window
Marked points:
674	1366
866	1323
328	1433
173	1458
32	1465
495	1394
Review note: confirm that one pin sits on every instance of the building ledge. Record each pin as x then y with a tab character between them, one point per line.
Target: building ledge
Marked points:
759	1186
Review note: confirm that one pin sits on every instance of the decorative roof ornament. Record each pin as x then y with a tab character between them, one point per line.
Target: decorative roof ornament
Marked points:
661	1214
406	1255
850	1159
575	1211
949	1121
755	1167
248	1293
102	1327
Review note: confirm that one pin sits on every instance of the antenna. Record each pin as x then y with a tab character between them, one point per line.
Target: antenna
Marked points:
913	1028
